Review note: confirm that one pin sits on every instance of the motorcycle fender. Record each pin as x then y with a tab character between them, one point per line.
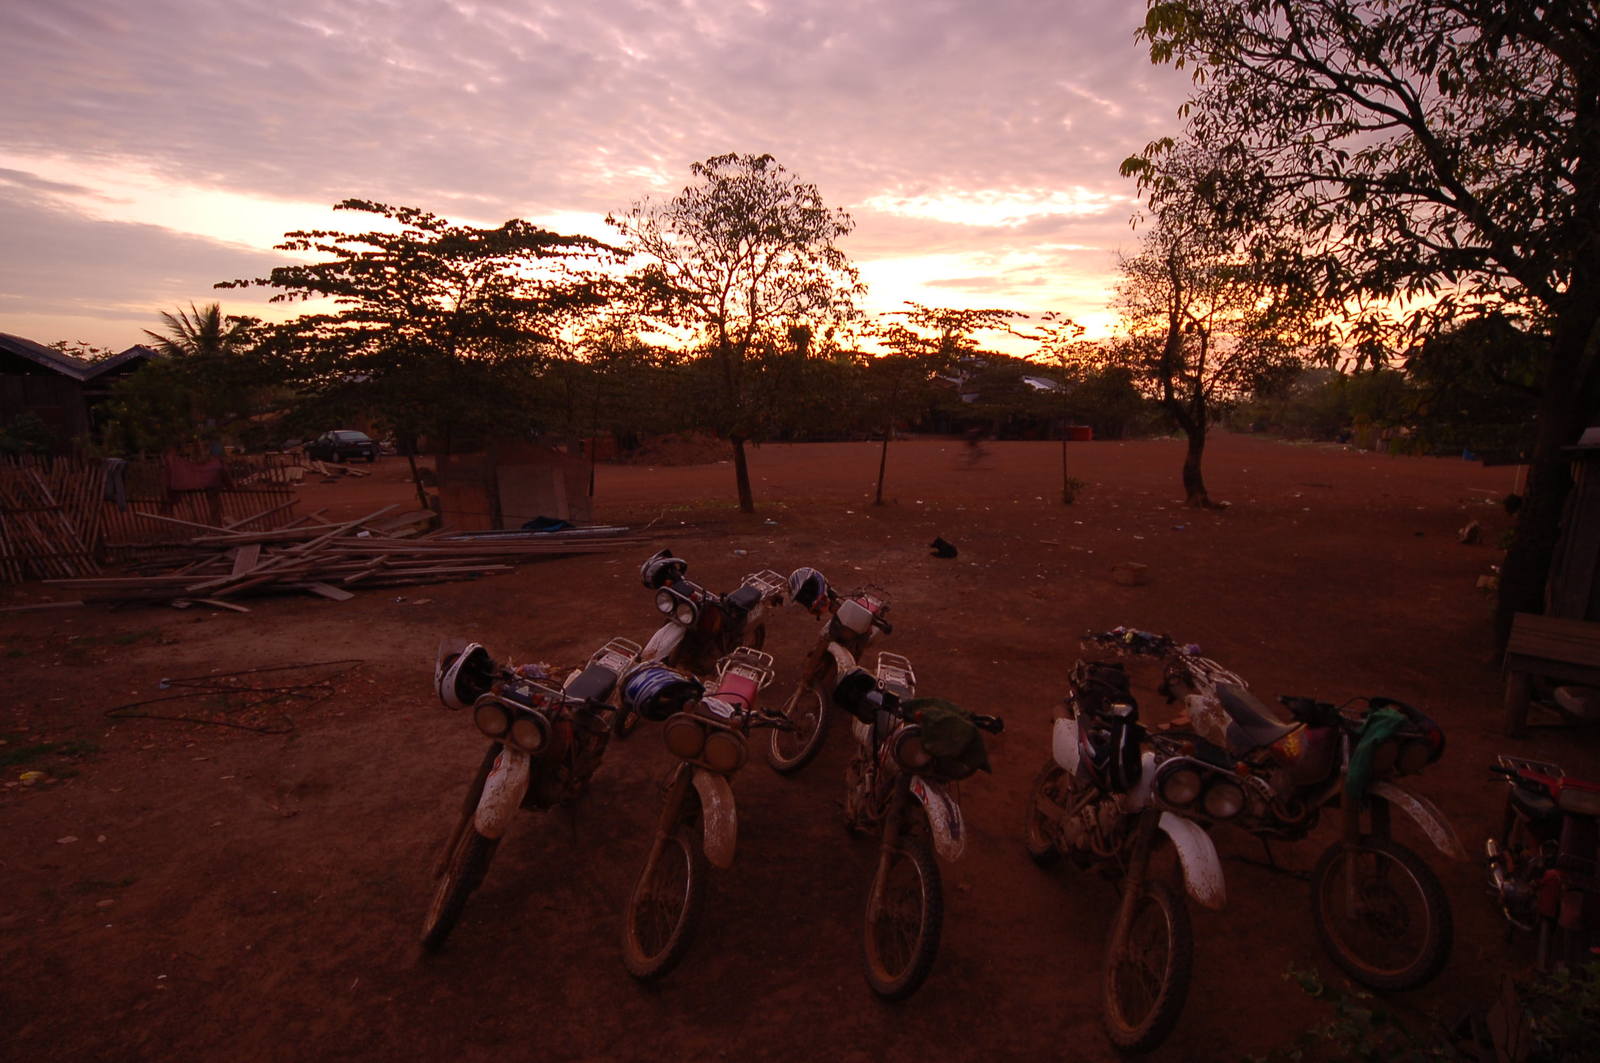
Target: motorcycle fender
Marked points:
1424	814
663	642
1136	798
843	661
1064	744
720	817
1202	869
944	816
503	791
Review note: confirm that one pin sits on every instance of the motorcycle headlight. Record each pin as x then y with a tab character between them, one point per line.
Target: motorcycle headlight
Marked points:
685	613
684	736
1180	786
1579	802
909	751
724	752
529	732
1224	799
491	717
666	601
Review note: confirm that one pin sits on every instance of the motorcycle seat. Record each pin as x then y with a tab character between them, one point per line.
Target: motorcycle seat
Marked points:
745	598
594	683
1251	724
738	689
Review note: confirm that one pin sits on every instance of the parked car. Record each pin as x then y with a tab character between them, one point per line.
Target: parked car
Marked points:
342	445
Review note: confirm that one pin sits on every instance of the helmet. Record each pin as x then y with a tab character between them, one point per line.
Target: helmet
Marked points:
807	587
462	672
661	568
656	691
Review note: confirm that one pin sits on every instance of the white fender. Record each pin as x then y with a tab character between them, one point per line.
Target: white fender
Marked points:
719	817
1064	744
944	816
1139	796
843	661
1202	870
663	642
503	791
1424	813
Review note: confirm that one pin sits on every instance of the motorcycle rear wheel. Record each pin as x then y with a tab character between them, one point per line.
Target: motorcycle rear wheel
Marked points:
463	873
1398	934
1148	965
807	709
665	905
904	919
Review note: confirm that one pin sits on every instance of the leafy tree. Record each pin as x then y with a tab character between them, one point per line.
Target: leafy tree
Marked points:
437	329
744	254
1206	324
924	341
1438	154
82	349
207	333
1476	387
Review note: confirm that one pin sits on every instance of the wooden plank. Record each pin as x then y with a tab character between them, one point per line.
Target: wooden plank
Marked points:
325	590
1555	638
246	558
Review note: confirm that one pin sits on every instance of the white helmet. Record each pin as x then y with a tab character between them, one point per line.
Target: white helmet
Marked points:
660	568
462	672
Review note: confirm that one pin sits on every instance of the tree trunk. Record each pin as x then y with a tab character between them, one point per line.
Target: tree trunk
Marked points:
1569	398
416	481
1194	484
741	476
883	462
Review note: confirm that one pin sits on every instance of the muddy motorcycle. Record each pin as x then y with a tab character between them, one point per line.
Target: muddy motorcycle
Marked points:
698	822
1544	866
853	621
699	626
1380	911
909	752
1095	801
546	740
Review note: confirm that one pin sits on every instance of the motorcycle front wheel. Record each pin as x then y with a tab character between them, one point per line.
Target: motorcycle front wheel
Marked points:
905	915
1381	913
789	751
1148	963
464	869
665	905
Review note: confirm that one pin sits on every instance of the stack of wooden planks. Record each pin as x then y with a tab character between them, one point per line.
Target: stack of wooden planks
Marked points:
49	519
214	565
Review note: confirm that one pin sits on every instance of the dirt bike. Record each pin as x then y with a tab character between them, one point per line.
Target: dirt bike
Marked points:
700	626
908	753
1095	801
1543	865
1379	910
853	621
698	823
545	743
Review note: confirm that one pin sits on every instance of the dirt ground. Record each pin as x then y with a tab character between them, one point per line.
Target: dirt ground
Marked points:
178	891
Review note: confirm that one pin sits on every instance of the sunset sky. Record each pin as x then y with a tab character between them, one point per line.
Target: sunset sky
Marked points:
149	149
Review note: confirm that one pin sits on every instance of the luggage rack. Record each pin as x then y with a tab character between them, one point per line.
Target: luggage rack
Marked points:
894	672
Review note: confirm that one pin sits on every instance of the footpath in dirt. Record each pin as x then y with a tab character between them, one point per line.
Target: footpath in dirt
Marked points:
179	890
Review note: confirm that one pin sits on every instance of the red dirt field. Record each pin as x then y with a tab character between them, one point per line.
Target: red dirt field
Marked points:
192	892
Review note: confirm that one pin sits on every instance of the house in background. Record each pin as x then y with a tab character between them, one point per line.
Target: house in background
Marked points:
61	390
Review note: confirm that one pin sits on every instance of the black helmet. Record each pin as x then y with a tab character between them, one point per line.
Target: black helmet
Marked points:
661	568
462	672
808	588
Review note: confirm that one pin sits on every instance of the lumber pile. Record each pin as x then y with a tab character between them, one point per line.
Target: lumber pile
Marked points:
215	564
49	519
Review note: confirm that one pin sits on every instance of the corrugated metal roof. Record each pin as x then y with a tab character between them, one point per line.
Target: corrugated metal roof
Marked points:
65	364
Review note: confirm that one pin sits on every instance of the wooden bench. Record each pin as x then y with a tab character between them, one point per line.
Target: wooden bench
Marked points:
1549	647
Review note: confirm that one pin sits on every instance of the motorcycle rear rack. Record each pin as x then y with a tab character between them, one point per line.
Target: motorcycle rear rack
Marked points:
895	675
769	582
618	654
1524	766
748	661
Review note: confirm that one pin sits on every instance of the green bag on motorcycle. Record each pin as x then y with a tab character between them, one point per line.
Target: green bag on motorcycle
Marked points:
949	735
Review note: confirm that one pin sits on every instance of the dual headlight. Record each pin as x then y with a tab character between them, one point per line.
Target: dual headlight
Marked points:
1183	786
671	603
522	727
709	744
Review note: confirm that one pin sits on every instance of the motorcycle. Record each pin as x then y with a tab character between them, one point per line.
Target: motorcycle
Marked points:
545	743
698	822
1543	865
853	621
701	626
1379	910
1096	801
909	752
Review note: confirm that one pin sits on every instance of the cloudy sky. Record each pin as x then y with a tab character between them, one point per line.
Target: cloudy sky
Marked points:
149	148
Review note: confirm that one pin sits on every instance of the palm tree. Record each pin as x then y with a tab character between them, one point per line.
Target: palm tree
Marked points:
201	333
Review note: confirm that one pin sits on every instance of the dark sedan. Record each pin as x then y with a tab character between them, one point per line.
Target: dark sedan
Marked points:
342	445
